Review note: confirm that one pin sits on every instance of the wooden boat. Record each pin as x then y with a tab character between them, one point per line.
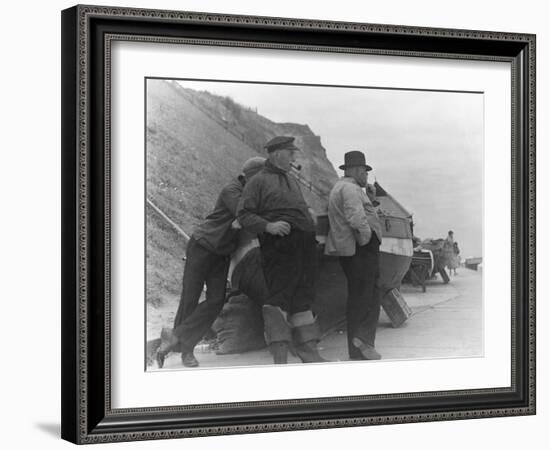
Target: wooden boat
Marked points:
396	253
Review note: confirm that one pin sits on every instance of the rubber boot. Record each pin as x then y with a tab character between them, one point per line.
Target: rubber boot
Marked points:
306	334
279	350
277	333
309	353
189	360
368	351
167	344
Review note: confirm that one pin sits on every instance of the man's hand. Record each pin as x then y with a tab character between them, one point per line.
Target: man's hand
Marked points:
313	215
279	228
371	194
364	237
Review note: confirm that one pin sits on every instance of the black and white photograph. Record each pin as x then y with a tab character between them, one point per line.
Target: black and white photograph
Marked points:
279	224
297	224
275	225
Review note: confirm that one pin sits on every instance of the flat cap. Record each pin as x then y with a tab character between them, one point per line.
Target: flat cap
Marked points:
281	143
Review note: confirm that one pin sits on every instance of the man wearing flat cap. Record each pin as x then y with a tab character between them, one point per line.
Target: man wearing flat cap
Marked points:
355	236
273	207
207	262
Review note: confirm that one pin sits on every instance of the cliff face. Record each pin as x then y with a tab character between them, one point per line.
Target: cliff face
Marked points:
196	143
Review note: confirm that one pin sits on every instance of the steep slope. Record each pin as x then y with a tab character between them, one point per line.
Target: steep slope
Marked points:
196	143
255	130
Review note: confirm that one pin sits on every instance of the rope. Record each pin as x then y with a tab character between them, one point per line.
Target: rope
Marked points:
308	184
170	221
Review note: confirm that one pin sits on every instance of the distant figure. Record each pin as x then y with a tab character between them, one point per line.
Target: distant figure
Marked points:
452	253
450	238
355	236
207	262
456	258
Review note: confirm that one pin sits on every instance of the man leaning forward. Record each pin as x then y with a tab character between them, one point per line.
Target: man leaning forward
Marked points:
207	263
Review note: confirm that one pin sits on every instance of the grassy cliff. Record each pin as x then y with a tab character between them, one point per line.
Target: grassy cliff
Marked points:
196	143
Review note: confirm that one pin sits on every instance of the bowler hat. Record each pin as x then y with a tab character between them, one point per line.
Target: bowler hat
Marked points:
281	143
355	159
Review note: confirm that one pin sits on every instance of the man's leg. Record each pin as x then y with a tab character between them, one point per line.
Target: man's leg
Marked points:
352	267
194	276
193	319
304	294
306	335
365	334
305	327
277	332
363	308
193	328
280	269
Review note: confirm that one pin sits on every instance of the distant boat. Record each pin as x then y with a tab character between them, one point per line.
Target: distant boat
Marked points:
473	262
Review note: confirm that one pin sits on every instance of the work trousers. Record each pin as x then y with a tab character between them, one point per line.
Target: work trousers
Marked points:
194	319
289	265
363	305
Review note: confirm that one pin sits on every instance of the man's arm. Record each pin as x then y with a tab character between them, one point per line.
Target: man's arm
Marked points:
248	207
230	197
355	214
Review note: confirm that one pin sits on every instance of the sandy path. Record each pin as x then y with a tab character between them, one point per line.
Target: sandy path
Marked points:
446	322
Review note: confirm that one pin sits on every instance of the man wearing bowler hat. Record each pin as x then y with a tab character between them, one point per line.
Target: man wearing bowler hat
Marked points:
273	207
355	236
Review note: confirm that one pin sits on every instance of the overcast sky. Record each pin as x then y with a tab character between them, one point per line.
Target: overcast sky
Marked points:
426	148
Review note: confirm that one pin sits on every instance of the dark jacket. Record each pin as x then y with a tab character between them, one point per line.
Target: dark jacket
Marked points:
215	232
273	195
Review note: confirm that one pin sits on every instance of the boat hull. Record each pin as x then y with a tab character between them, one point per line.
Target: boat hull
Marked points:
395	257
